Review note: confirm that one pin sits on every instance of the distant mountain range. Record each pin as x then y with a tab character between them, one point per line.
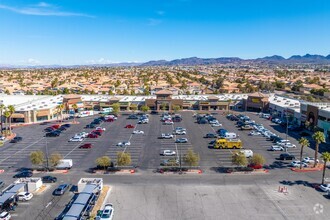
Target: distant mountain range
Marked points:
192	61
296	59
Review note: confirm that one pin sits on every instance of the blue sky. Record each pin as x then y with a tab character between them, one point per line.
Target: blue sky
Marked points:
107	31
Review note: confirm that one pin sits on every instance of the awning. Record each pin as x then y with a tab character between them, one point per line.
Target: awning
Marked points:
17	115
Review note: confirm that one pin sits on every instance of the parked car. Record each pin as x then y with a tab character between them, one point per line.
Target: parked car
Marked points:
216	125
5	216
210	135
325	187
304	134
49	129
129	126
82	134
66	125
90	126
76	139
2	184
132	117
168	153
297	164
23	174
61	189
246	127
168	122
180	129
166	136
62	128
52	134
287	156
92	135
97	132
144	121
254	133
179	132
310	160
16	139
276	148
86	146
181	140
288	145
138	132
124	143
100	129
24	196
106	213
154	112
49	179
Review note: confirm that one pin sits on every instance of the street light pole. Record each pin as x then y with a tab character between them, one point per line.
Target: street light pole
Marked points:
47	160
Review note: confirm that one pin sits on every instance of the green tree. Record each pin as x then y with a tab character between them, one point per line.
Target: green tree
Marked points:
123	159
2	109
55	158
110	92
191	158
239	159
133	107
304	143
37	157
115	108
318	138
11	110
145	108
103	162
257	160
326	158
163	106
176	108
7	115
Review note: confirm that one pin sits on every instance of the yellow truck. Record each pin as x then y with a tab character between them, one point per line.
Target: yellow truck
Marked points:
223	143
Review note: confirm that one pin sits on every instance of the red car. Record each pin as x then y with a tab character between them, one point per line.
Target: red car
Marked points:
129	126
86	146
55	126
99	130
92	135
110	120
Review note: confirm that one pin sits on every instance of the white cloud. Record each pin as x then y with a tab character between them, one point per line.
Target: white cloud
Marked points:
42	9
154	22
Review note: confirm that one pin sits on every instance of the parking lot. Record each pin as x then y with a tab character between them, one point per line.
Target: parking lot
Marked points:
145	151
145	148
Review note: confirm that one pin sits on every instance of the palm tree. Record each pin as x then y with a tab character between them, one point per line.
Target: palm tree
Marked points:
2	108
7	115
304	143
326	157
318	138
75	107
11	110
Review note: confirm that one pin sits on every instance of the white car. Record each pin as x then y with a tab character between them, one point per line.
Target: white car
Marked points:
24	196
100	128
179	132
297	164
76	139
5	216
288	145
216	125
138	132
2	138
144	121
124	143
325	187
214	122
82	134
254	133
181	140
276	148
168	153
107	213
247	153
180	129
167	136
310	160
168	122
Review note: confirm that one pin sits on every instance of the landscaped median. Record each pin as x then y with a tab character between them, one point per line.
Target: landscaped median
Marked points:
114	170
242	170
319	167
178	170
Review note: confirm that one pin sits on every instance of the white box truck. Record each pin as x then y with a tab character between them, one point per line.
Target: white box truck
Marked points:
64	164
